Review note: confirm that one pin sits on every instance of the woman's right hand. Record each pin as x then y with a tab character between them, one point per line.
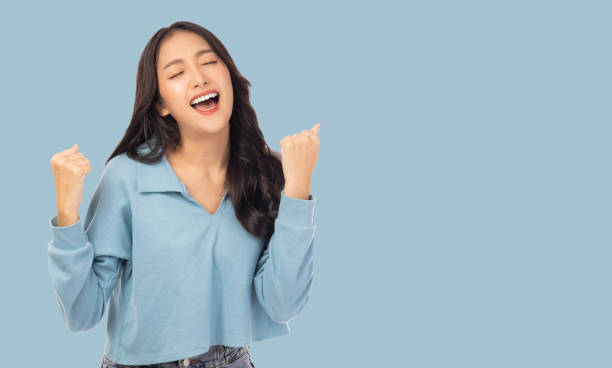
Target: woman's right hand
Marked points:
69	169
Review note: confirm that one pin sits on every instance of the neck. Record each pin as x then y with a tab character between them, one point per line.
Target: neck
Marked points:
204	157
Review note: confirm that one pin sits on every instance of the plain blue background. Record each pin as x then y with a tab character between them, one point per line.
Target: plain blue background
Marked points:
463	183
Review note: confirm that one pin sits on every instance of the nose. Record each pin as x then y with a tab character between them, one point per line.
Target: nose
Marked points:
198	79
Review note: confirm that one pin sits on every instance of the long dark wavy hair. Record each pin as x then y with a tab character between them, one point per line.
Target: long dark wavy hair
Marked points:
254	174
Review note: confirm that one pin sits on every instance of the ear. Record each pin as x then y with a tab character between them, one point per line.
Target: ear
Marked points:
161	109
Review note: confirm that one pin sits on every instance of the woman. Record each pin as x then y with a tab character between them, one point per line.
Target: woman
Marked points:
198	233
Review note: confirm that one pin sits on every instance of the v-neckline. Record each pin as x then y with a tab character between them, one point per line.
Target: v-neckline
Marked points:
186	194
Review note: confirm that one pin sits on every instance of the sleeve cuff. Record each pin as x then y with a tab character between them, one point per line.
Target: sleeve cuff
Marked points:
67	237
295	211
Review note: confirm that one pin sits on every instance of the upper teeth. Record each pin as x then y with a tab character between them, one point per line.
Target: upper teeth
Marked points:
204	98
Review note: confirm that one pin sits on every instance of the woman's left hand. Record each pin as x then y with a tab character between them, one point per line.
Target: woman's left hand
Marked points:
299	153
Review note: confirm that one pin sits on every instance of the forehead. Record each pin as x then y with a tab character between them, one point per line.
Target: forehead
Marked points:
180	45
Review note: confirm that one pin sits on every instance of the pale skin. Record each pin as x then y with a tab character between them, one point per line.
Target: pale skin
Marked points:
201	160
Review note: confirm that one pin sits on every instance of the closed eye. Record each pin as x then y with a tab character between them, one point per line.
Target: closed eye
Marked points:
179	73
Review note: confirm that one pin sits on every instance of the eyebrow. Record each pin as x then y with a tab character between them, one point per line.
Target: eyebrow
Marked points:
201	52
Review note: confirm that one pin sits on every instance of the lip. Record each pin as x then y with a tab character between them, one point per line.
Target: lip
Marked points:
202	94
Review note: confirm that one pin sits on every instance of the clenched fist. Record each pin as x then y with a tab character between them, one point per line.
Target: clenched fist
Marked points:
299	153
69	169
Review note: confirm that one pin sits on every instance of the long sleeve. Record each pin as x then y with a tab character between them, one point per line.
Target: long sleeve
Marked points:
284	272
85	262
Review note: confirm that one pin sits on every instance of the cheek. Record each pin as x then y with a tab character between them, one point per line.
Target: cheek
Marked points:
228	86
173	93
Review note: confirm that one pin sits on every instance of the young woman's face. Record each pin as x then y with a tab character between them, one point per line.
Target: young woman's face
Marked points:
184	70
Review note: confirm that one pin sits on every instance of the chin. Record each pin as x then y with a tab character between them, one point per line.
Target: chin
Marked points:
213	125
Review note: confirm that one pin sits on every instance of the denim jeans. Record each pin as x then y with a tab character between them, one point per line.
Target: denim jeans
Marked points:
217	356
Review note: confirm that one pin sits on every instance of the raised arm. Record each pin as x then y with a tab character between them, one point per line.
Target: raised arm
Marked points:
85	258
284	273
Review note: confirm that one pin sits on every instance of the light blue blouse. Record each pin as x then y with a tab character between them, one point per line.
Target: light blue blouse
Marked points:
178	278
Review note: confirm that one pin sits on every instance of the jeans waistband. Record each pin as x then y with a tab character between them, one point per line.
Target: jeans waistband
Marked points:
215	356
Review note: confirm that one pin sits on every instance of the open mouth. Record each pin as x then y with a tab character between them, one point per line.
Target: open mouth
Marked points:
207	104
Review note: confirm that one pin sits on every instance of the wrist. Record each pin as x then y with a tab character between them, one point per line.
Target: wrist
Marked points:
297	192
66	218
